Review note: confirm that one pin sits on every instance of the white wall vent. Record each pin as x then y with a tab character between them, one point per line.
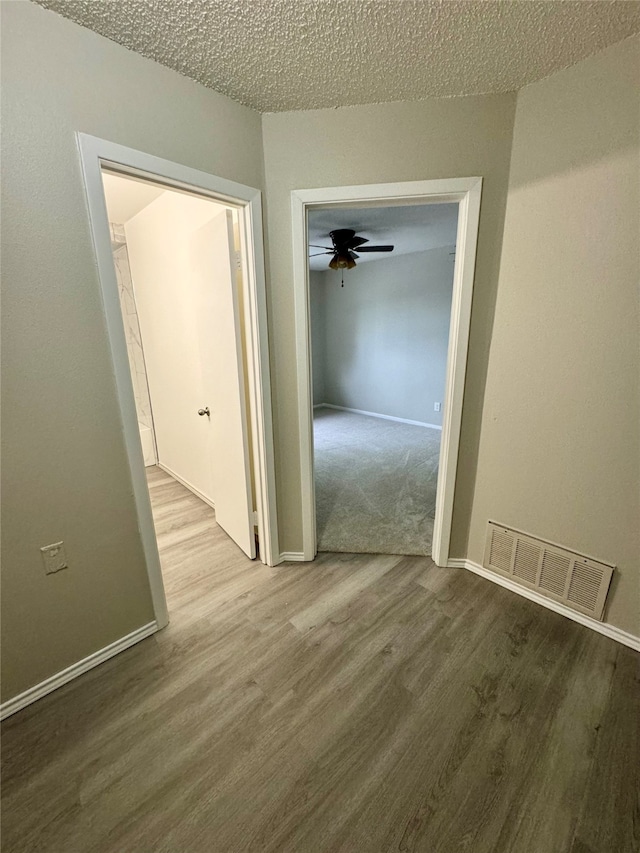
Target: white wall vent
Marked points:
567	576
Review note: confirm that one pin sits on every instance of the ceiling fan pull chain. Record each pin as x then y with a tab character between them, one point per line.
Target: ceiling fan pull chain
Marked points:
342	285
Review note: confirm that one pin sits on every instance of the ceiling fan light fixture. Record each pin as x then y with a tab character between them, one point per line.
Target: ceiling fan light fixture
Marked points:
342	261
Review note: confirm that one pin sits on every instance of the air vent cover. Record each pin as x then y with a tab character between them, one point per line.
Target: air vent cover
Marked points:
567	576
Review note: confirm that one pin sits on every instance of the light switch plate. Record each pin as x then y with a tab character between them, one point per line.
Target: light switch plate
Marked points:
54	557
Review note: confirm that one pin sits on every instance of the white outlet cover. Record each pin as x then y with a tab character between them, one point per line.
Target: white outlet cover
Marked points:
436	407
54	557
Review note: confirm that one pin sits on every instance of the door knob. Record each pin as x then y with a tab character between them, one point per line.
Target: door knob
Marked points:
203	412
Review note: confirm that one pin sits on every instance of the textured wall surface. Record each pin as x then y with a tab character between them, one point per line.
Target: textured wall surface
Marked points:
290	55
385	335
440	138
560	449
65	472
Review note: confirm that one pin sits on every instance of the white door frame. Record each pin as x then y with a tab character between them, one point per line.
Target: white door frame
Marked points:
465	191
96	153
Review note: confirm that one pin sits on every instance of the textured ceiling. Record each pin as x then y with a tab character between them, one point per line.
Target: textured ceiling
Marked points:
409	228
276	55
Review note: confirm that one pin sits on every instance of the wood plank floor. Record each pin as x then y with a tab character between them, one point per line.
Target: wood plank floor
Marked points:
360	704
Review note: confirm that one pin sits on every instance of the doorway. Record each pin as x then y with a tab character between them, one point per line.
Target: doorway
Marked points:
380	316
178	281
465	193
208	394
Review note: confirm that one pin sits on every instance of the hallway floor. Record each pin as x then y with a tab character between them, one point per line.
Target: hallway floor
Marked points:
359	704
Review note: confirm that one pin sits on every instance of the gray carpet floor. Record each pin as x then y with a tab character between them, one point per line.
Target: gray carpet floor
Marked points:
375	484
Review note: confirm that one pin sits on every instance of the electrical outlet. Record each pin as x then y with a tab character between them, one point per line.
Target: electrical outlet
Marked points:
436	407
54	557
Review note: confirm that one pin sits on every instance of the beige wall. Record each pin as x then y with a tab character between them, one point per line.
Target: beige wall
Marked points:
376	144
65	474
560	448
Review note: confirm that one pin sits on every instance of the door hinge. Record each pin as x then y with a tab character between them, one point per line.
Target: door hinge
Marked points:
255	517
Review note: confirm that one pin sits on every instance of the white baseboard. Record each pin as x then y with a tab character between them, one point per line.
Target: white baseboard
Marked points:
187	485
64	676
605	628
292	557
376	415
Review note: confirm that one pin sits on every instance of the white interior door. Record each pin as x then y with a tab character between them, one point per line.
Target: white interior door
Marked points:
169	310
223	377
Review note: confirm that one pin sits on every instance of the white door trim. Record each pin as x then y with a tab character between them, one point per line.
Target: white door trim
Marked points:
465	191
96	153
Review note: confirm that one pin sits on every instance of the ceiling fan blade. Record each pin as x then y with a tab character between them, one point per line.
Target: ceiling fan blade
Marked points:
357	241
375	248
317	254
353	255
315	246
